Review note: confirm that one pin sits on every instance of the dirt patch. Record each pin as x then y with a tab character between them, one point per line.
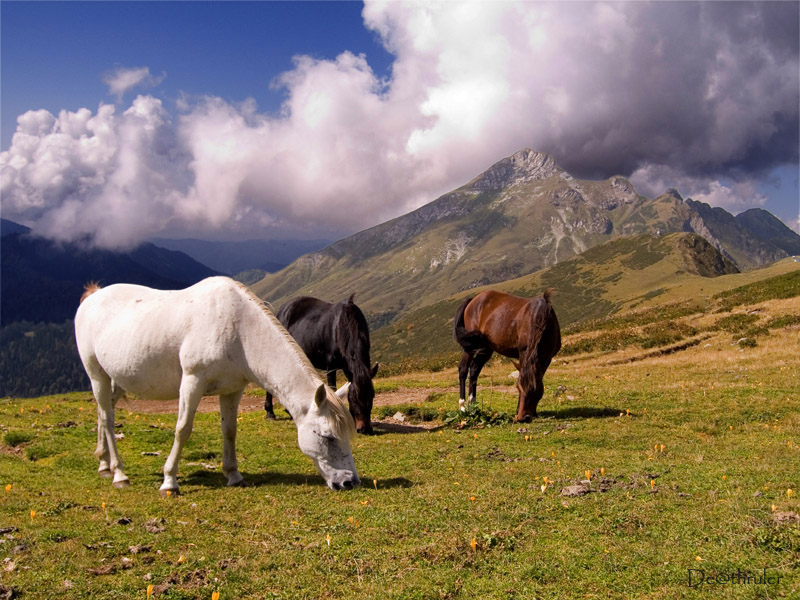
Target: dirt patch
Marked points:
207	404
254	403
250	403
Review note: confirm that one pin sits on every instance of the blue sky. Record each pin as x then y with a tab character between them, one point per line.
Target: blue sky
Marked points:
231	119
230	49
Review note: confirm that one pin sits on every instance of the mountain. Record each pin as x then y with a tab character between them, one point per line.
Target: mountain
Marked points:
8	227
748	241
232	258
769	229
523	214
42	281
675	271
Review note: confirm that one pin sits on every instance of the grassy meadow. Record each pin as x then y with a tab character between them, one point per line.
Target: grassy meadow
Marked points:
650	462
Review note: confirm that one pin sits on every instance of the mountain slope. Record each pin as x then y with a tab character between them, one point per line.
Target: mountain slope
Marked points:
235	257
522	215
747	241
767	228
42	281
623	274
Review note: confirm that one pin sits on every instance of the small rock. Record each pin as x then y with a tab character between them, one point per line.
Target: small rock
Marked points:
575	490
784	518
109	569
398	416
155	525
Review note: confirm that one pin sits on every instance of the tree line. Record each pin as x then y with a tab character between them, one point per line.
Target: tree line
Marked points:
40	359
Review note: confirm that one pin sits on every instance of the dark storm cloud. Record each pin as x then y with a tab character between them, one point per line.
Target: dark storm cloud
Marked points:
703	97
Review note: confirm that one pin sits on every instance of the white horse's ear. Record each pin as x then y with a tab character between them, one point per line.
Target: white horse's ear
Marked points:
342	391
320	395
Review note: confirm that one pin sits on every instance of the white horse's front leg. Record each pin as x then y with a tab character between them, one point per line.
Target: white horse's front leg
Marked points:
228	410
191	393
110	462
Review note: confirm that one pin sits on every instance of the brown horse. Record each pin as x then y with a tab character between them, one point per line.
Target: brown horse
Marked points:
523	329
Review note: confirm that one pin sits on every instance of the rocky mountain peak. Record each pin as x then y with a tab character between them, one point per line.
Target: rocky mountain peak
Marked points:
521	167
673	193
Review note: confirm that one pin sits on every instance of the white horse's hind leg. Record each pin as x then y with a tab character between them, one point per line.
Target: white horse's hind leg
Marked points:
110	462
228	409
191	393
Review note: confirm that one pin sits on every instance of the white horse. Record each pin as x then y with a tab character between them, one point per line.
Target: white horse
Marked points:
212	338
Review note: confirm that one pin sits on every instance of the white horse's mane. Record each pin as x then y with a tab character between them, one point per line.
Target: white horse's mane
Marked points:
341	420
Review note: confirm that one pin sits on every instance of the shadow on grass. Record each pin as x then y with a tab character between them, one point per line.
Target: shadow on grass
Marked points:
580	412
216	479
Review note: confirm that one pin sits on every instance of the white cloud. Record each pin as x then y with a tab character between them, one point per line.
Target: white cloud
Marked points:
704	88
121	80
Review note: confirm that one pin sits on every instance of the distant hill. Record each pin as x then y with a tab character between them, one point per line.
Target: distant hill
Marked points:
233	258
522	215
42	281
8	227
751	241
769	229
623	274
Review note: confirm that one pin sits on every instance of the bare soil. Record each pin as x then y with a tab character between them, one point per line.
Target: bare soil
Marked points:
251	403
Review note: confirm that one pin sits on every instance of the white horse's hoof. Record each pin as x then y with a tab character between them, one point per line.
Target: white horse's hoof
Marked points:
240	483
105	473
169	493
122	484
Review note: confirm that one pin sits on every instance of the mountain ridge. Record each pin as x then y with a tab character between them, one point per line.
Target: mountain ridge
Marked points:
522	214
42	281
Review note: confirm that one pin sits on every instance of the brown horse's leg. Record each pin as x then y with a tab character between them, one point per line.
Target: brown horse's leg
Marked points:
480	358
268	406
463	369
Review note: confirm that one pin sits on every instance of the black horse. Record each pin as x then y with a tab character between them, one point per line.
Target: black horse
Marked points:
334	336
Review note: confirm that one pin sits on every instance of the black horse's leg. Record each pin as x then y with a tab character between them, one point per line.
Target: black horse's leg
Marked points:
463	369
332	379
268	407
481	357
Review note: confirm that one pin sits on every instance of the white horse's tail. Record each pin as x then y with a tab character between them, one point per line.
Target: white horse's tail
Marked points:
89	289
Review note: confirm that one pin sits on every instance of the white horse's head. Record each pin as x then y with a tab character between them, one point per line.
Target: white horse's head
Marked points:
324	436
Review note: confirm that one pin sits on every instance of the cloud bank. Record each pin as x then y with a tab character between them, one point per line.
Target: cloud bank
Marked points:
670	94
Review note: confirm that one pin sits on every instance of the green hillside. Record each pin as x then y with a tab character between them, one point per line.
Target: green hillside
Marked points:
622	275
522	215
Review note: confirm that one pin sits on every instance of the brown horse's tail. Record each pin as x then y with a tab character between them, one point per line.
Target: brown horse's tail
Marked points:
89	289
469	340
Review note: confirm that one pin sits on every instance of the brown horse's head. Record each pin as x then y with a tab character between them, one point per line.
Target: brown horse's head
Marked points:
544	341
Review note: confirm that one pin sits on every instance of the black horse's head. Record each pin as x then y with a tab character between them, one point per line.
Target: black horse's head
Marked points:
360	397
352	333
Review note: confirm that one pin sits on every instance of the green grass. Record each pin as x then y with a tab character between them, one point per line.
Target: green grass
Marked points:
729	423
690	455
782	286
